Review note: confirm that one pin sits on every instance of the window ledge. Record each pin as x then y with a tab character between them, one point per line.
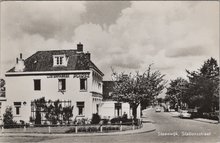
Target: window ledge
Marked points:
62	91
17	116
83	90
59	65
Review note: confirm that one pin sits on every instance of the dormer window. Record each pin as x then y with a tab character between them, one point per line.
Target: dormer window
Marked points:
60	60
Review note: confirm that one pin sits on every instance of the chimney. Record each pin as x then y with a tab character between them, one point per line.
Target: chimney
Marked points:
20	55
19	66
79	47
88	55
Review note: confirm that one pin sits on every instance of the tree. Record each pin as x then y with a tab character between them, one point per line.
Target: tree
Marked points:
8	117
176	92
204	87
67	113
135	88
53	111
2	88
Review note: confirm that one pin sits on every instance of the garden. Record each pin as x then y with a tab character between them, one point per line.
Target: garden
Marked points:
58	120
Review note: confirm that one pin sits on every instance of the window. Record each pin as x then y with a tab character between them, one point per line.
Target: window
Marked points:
97	108
80	106
0	108
17	107
37	85
99	85
83	84
59	60
118	111
61	84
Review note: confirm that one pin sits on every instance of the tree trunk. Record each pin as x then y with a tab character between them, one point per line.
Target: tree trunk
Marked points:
134	112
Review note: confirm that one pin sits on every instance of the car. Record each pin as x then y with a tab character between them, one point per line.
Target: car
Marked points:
184	114
158	109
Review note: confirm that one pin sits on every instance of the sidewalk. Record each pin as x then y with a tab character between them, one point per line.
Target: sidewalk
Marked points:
174	114
147	127
206	120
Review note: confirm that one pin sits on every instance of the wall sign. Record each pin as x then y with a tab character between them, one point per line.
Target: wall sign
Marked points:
58	76
81	75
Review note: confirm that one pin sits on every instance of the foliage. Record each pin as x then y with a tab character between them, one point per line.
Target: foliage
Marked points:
203	90
54	111
93	129
136	88
95	118
2	88
8	118
124	121
82	121
2	83
67	113
176	92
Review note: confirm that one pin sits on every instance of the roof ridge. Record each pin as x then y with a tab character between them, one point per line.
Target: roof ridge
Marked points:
57	50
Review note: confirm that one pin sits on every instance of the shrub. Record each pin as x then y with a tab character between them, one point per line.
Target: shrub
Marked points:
8	119
71	130
82	121
125	121
105	121
115	120
95	119
111	128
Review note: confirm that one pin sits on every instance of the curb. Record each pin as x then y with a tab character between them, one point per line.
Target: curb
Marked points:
198	119
211	122
137	131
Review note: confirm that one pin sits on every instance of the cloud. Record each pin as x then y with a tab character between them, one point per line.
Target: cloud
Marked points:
188	51
104	12
27	27
174	35
48	19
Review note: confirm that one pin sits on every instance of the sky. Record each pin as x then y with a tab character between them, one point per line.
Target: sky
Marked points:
124	35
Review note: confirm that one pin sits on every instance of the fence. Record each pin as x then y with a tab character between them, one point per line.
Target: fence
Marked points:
45	129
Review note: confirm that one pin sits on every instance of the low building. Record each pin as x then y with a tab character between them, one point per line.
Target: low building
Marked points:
67	75
110	108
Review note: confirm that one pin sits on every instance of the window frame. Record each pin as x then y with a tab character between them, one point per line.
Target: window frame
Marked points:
58	60
85	84
17	106
37	86
62	87
80	108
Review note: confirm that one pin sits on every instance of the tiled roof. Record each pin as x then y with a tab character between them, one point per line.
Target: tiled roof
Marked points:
43	61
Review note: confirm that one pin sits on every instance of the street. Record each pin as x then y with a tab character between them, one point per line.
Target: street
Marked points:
169	128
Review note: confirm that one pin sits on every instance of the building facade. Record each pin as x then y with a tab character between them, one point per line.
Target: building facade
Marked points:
110	108
67	75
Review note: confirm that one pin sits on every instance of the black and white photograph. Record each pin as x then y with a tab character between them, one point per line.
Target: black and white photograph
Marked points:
109	71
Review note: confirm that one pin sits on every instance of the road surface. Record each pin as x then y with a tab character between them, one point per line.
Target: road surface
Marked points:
169	128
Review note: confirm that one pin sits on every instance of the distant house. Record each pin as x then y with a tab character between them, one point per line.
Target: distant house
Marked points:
67	75
111	108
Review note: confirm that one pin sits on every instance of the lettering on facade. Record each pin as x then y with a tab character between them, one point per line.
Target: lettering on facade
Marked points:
81	75
58	76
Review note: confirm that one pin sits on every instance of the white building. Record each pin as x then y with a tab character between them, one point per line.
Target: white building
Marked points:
67	75
111	109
